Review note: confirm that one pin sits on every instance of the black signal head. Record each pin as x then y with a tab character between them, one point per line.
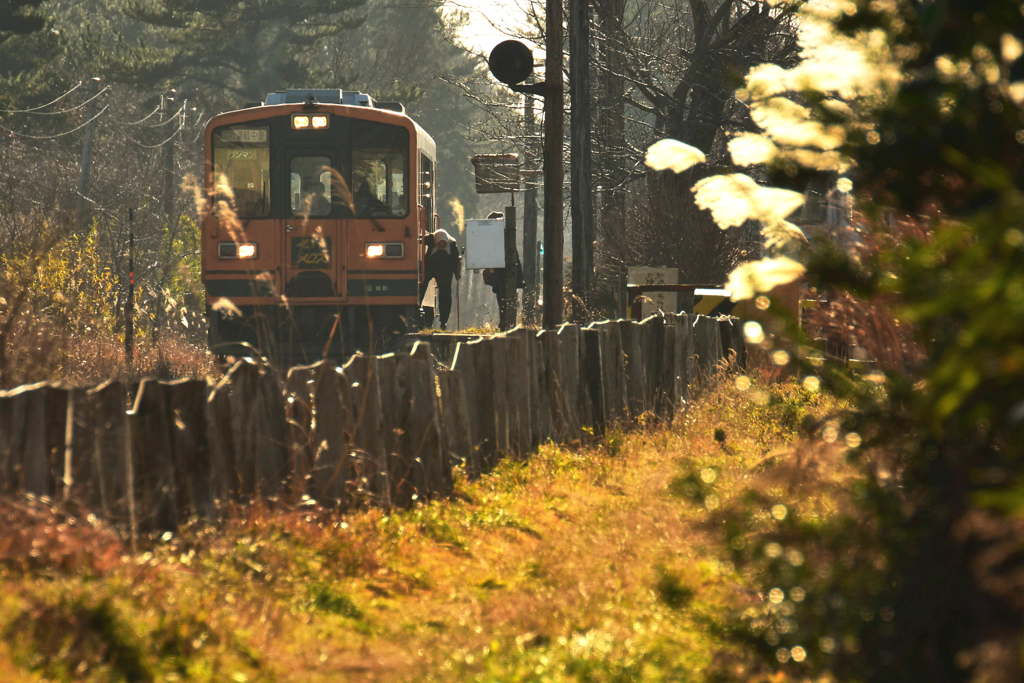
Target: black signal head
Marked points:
511	62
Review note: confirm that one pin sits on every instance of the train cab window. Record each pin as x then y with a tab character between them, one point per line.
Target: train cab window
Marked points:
241	160
311	186
380	170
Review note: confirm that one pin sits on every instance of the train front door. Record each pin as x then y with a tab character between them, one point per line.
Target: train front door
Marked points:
314	238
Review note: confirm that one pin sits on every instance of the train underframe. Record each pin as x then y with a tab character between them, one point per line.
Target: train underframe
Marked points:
305	333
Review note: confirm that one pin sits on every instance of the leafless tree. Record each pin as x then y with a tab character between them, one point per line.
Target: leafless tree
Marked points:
669	68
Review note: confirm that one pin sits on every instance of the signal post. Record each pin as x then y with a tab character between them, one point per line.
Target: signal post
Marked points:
511	62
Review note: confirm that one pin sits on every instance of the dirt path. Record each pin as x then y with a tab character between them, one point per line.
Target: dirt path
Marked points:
550	570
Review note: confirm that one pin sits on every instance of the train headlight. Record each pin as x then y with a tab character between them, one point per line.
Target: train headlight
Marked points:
385	250
300	121
237	250
319	120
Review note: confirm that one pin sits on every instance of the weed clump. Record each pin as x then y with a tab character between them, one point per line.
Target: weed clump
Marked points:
671	590
63	298
77	637
40	536
328	599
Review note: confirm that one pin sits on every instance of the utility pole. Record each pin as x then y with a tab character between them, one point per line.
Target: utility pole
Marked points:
511	310
581	173
554	97
529	217
511	62
129	304
167	194
85	178
85	174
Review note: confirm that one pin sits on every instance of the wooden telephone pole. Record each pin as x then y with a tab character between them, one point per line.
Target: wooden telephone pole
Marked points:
581	173
511	62
529	217
554	97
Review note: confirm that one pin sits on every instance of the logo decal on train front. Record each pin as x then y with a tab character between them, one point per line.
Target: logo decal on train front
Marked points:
311	252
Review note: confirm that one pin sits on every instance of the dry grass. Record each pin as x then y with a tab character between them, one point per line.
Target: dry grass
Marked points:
42	353
39	536
63	293
577	565
485	329
869	328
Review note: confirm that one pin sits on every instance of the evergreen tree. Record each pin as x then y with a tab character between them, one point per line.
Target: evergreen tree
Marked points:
15	20
408	54
26	54
233	51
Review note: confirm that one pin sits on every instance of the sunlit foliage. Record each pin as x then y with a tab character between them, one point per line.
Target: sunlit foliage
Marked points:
763	276
673	154
920	104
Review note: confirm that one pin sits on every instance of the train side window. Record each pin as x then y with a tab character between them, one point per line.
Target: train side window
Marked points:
310	187
241	161
427	188
380	169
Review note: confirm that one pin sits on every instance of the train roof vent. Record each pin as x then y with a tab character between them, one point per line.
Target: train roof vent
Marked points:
349	97
328	96
359	99
393	106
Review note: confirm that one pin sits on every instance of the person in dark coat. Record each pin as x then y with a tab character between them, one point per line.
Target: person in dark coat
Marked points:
495	279
441	264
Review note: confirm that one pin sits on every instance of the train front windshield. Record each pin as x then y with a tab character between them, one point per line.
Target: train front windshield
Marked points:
241	160
380	170
353	168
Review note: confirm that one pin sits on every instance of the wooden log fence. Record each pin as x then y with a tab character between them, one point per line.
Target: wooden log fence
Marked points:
380	430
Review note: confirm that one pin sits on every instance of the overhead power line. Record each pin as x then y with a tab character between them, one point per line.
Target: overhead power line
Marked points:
170	118
168	139
200	126
43	106
58	135
142	120
105	89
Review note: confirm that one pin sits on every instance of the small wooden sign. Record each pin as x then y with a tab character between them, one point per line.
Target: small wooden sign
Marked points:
655	301
496	173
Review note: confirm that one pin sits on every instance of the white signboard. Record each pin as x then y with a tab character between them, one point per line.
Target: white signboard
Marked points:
485	243
653	301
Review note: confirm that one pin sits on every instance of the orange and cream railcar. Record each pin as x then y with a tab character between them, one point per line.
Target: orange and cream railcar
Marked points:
318	203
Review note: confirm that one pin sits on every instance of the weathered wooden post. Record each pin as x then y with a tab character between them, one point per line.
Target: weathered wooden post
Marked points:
614	366
299	386
169	454
32	438
474	388
456	423
593	374
575	399
332	472
98	478
636	379
368	452
426	436
247	433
